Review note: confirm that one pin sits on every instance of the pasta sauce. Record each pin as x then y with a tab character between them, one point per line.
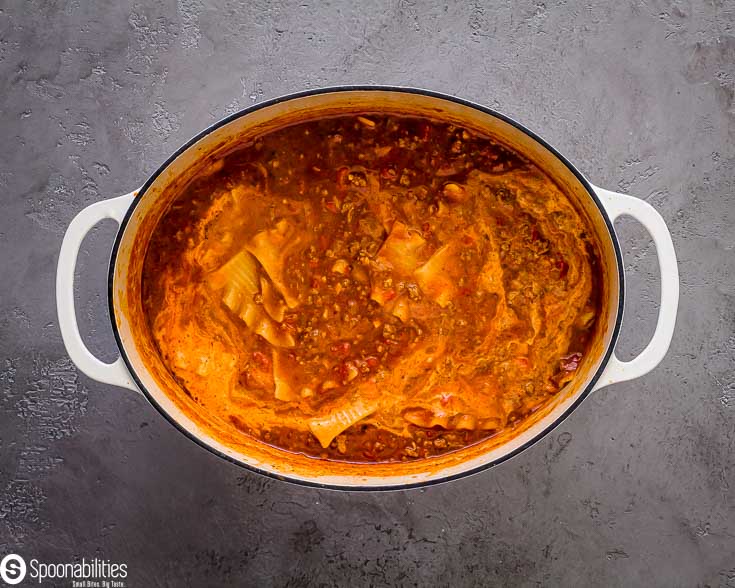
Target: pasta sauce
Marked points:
371	288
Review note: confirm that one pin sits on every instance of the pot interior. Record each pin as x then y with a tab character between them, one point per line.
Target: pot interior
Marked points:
151	374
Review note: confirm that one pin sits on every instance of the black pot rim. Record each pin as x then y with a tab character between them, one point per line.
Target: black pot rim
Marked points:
381	88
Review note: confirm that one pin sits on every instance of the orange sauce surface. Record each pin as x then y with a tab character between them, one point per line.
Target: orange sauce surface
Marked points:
371	288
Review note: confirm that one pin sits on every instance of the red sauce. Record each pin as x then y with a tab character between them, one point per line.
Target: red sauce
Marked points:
372	288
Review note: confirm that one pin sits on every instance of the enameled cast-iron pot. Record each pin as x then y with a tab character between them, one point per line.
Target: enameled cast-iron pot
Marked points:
140	369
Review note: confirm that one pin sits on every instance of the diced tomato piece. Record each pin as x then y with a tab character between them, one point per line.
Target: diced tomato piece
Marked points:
563	268
425	131
570	363
388	173
372	362
331	206
341	348
390	294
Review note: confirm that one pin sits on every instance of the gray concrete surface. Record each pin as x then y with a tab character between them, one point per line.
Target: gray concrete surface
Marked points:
635	489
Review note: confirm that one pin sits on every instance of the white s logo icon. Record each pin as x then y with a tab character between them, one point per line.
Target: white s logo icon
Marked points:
12	569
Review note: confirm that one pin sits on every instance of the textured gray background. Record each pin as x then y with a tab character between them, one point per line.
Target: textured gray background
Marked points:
634	489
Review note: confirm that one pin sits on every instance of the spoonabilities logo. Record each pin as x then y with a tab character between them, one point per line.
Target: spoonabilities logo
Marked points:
12	569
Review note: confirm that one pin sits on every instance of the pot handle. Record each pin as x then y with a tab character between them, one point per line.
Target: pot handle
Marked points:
108	373
618	205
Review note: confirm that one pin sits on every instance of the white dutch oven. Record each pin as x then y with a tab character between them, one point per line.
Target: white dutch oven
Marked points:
140	370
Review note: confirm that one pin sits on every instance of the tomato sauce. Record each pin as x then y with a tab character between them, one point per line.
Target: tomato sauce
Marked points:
372	288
